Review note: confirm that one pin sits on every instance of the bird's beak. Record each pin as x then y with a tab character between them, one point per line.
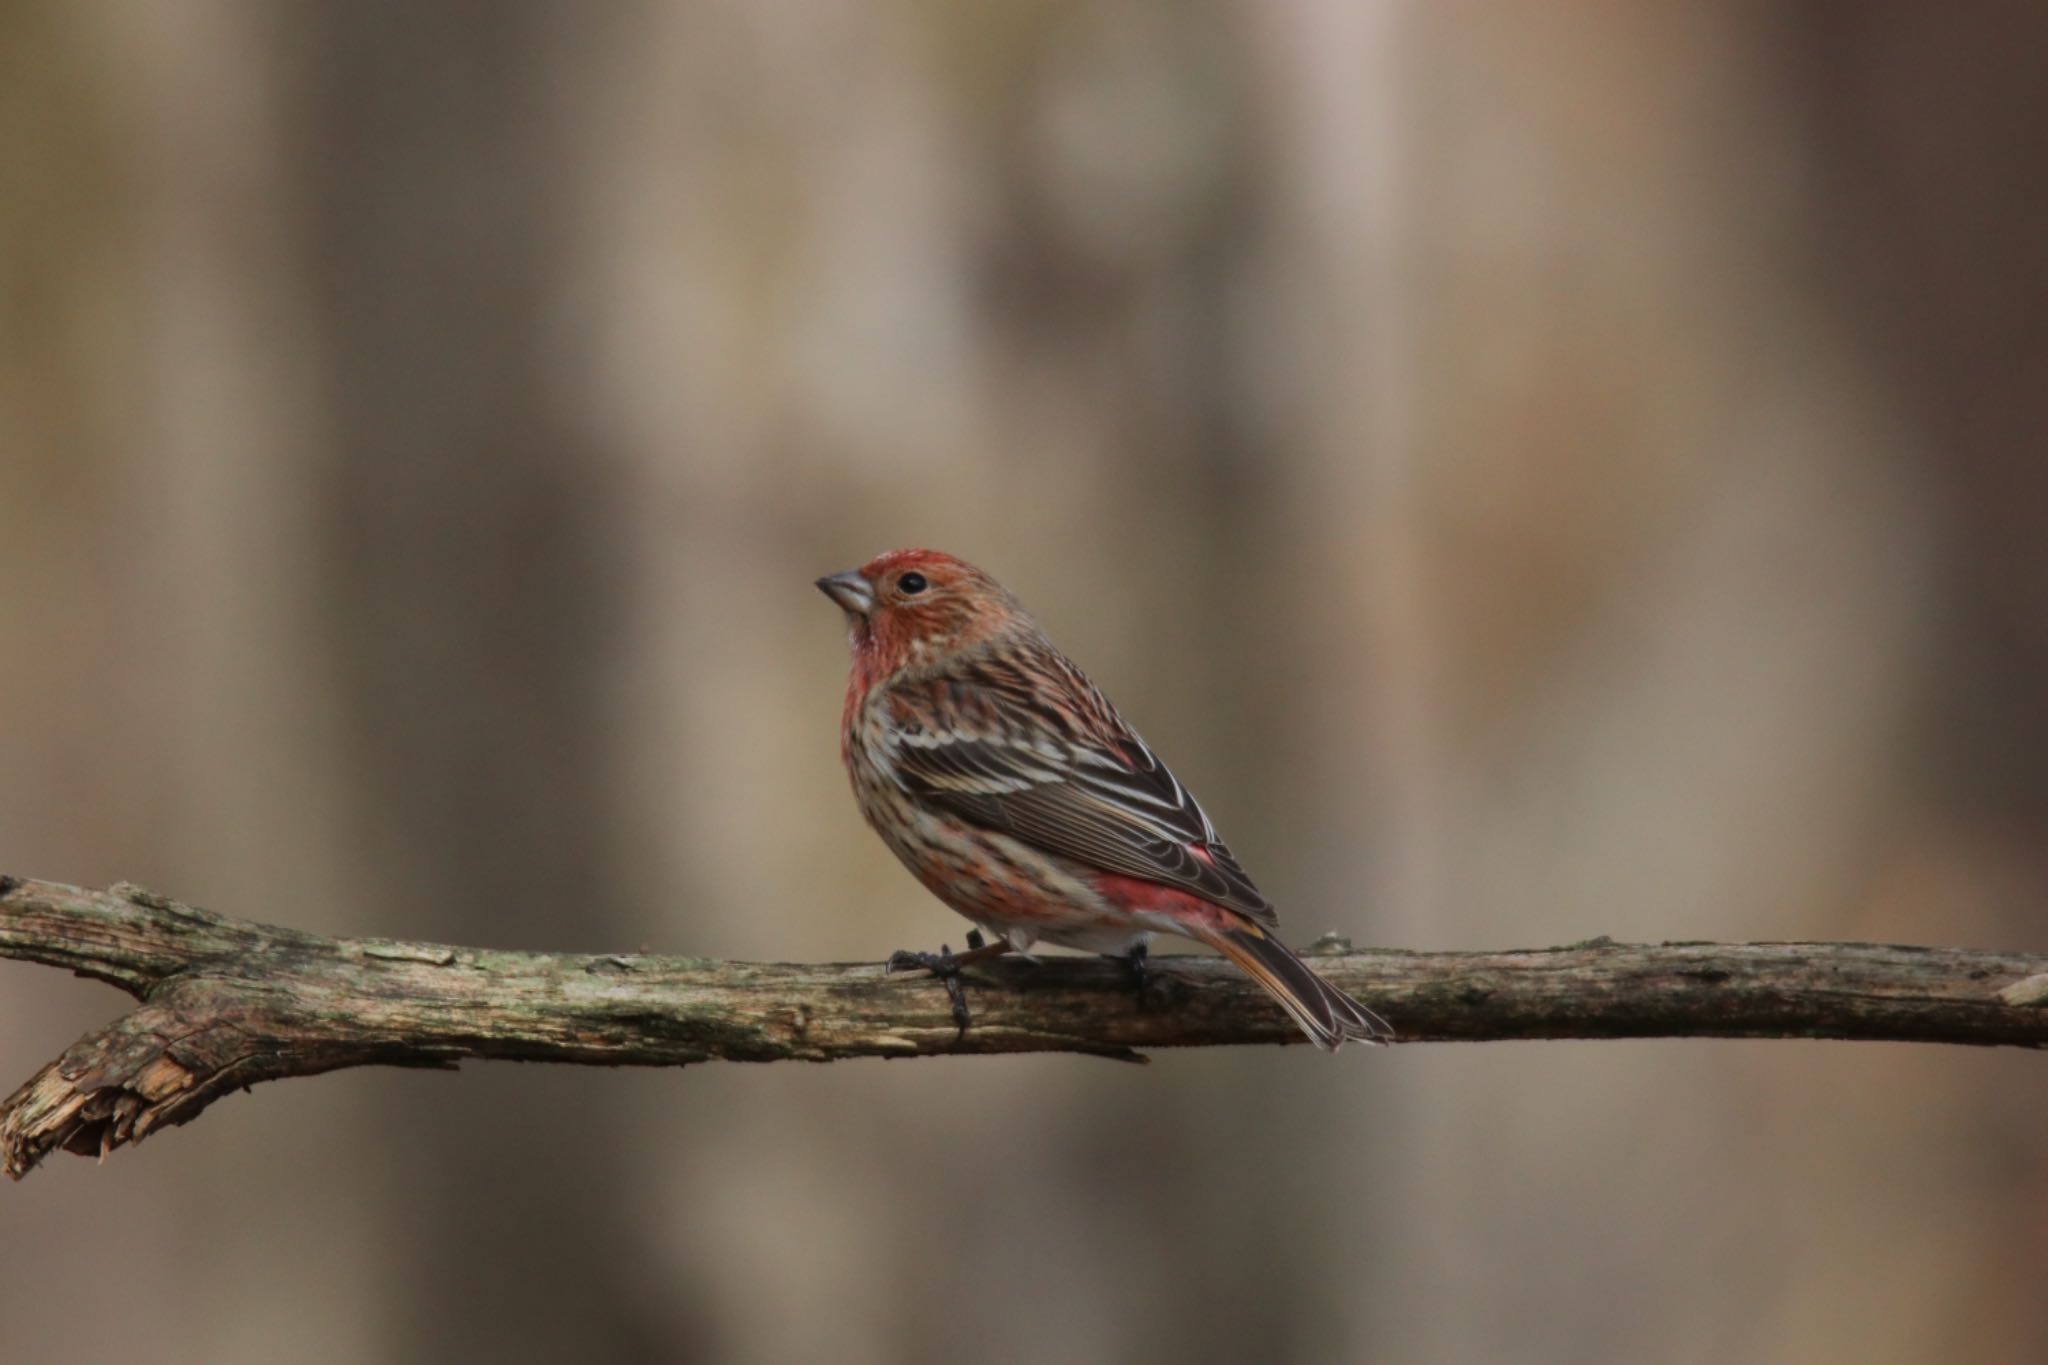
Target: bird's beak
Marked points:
850	591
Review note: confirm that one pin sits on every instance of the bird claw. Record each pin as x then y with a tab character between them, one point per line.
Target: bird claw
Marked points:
944	965
1151	983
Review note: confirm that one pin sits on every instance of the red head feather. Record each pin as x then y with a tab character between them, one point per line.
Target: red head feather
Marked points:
912	606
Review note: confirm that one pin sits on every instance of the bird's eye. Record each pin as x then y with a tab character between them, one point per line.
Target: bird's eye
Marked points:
910	583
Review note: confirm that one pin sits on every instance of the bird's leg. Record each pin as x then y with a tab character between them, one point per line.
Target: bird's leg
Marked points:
945	964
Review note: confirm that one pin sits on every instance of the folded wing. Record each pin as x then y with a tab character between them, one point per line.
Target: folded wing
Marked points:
1056	767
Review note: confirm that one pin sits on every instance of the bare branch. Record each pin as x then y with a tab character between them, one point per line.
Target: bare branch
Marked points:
226	1003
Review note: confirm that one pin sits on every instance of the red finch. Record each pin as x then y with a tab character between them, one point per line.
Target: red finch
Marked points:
1011	787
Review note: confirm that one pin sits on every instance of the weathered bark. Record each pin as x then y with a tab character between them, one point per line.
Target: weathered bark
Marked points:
227	1002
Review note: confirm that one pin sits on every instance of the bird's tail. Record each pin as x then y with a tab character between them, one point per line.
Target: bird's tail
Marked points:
1326	1014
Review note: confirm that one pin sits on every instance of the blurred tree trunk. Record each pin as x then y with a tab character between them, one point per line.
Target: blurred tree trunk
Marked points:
467	563
1918	121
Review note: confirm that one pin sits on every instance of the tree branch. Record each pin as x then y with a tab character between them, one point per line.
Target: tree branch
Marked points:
225	1003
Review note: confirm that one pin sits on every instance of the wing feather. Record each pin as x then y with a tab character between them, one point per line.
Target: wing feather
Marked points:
1072	780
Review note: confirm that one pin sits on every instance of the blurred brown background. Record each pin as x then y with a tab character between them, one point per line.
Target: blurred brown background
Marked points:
1536	474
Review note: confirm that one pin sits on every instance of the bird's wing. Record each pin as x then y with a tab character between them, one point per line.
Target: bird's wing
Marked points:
1047	760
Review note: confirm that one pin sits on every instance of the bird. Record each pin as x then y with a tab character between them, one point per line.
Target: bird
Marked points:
1014	791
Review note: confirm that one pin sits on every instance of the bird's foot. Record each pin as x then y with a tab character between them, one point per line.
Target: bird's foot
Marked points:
1154	986
945	964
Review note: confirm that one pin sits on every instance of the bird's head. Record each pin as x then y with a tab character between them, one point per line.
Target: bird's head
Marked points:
911	607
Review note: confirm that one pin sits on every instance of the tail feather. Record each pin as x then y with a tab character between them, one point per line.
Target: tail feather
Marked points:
1327	1015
